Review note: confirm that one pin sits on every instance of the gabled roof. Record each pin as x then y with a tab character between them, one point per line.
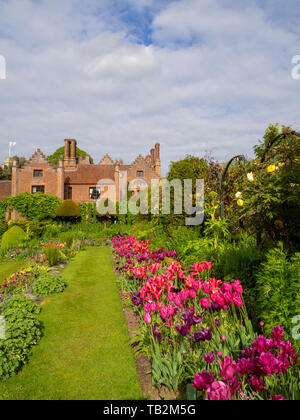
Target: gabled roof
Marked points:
139	159
38	157
106	160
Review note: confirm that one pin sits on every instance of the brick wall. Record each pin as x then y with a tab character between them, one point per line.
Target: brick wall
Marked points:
27	180
5	189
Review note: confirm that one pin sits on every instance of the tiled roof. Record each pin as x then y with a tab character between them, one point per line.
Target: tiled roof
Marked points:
90	174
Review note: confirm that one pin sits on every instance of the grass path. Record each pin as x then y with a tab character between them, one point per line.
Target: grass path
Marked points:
7	268
85	352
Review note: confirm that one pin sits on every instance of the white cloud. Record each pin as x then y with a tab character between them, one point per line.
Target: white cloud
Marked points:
214	78
126	62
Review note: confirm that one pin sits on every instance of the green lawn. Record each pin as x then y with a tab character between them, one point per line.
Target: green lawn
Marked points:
7	268
85	352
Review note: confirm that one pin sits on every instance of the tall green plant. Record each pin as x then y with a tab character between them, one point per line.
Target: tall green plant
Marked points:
278	290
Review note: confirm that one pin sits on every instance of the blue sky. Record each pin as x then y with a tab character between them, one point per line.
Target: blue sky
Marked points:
119	75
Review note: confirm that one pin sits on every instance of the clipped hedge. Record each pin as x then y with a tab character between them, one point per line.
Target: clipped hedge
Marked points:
68	209
13	238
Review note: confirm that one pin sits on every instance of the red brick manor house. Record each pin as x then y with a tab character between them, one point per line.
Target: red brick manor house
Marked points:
77	178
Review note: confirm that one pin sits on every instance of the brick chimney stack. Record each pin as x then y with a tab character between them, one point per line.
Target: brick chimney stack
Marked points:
67	149
152	152
73	149
61	179
157	159
15	177
70	154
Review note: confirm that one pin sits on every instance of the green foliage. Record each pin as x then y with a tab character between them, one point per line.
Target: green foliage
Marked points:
278	290
271	196
180	236
67	237
47	284
68	209
54	158
21	303
88	212
23	330
5	173
271	132
13	238
3	227
232	261
52	253
33	228
193	168
52	230
33	206
167	369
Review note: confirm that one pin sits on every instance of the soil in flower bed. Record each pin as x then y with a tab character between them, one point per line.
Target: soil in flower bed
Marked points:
142	362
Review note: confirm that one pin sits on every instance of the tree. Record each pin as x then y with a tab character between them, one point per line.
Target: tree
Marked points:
192	167
5	172
54	158
269	198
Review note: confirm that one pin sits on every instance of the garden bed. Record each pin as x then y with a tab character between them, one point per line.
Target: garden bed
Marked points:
196	332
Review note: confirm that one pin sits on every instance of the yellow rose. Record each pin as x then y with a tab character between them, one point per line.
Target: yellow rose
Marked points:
240	202
271	168
250	177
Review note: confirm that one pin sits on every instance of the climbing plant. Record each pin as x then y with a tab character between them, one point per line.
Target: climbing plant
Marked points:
54	158
33	206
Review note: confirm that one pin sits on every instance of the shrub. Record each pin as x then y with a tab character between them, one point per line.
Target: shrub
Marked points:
33	228
67	237
13	238
23	330
52	253
20	302
278	290
3	227
68	209
47	284
240	261
51	231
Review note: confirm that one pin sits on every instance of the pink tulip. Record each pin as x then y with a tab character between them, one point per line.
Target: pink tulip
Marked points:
237	300
205	303
147	317
196	285
218	391
192	294
170	296
228	367
153	306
